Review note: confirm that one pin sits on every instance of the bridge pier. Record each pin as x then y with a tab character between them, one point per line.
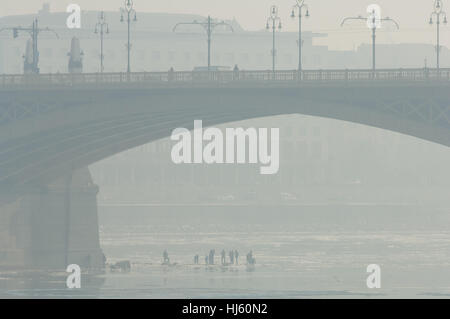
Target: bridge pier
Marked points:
52	226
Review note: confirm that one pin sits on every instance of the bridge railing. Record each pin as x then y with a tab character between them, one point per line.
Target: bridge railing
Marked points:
224	77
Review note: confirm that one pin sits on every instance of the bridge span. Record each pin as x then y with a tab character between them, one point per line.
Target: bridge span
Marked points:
52	125
398	77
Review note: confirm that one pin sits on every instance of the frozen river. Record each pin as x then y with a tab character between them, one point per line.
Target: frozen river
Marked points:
300	252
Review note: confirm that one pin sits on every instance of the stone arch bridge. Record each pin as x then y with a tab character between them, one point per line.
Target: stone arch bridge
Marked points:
54	125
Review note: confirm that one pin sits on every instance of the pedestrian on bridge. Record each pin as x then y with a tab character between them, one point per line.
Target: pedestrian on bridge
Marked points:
236	73
171	75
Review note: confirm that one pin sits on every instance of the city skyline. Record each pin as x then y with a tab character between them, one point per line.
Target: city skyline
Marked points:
326	17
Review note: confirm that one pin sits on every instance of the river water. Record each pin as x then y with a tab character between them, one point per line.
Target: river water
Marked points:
301	252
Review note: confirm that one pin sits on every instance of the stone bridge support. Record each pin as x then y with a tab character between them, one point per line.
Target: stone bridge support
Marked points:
52	226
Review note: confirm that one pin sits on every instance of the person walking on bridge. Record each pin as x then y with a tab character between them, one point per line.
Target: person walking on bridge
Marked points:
170	75
236	72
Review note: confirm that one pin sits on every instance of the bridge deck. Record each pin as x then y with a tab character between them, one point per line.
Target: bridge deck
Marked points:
239	78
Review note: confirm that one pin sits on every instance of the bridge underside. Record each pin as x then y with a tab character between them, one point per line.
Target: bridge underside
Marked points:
47	135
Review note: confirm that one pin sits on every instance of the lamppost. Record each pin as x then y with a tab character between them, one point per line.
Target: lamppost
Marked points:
438	13
34	31
209	25
129	11
100	28
274	19
374	21
299	7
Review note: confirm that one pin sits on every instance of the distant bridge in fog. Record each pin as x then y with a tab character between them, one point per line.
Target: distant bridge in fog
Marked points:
54	124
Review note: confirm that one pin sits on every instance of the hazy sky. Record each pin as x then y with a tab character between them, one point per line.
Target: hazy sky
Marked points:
326	15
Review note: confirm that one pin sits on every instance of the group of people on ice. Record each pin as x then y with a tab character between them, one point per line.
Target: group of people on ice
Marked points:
233	258
232	254
209	258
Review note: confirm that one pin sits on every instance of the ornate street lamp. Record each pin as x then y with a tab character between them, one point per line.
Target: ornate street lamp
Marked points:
298	9
129	12
209	25
102	28
374	22
275	21
438	13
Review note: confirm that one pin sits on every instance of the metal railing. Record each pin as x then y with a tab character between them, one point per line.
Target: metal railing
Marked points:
150	79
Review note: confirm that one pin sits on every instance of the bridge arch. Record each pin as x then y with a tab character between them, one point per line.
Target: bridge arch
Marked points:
47	133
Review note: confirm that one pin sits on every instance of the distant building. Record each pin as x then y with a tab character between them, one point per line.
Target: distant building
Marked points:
155	47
